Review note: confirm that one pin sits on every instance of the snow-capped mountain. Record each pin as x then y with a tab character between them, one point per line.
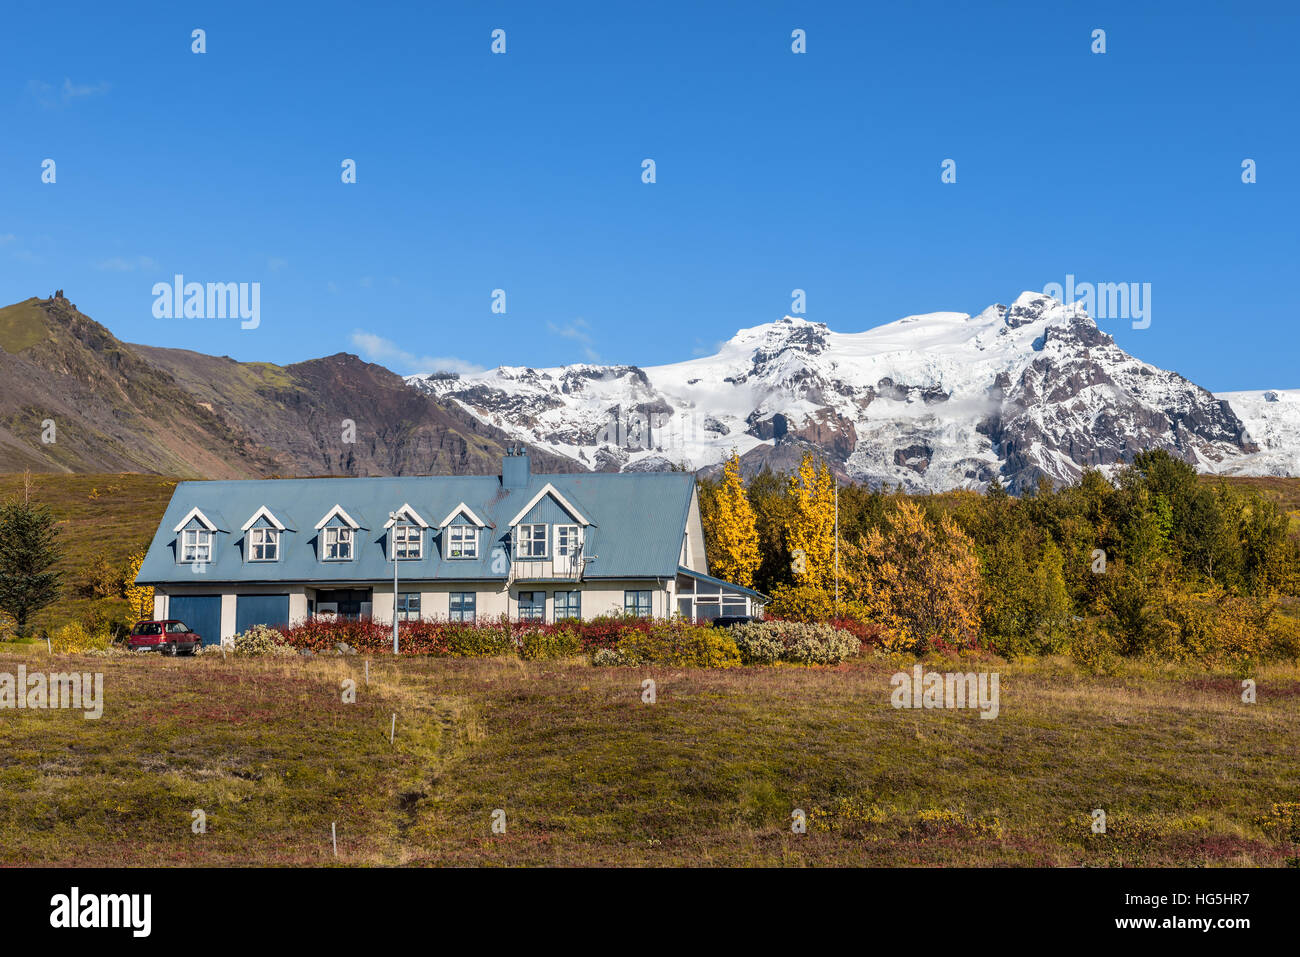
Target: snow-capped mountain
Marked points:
934	402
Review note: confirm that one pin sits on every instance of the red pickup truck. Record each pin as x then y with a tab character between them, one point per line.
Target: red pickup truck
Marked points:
169	636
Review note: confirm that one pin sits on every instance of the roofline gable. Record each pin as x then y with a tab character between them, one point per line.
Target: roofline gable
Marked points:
406	510
192	514
548	489
263	512
469	513
337	510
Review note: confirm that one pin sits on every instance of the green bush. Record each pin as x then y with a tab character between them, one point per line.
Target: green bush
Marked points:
549	643
672	643
1094	649
480	641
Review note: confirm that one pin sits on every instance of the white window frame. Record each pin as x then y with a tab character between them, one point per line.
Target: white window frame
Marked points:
408	541
262	540
574	544
196	546
525	541
468	543
342	536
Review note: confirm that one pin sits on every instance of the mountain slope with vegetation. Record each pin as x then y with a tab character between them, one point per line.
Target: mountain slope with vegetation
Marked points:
74	398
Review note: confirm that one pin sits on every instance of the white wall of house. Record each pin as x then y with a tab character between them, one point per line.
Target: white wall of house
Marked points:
598	597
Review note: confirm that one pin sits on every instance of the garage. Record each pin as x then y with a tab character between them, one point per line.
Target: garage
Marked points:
201	612
253	610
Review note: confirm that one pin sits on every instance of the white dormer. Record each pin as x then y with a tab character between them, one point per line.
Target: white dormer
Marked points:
197	534
461	530
262	536
406	534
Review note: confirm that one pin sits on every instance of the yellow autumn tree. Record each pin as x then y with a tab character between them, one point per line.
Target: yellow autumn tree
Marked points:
733	535
138	597
810	527
918	578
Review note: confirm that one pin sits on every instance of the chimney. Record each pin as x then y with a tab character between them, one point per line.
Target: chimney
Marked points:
516	470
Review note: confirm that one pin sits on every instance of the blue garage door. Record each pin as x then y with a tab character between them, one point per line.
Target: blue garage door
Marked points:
253	610
201	612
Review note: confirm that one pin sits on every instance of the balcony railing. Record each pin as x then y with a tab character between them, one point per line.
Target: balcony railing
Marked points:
565	568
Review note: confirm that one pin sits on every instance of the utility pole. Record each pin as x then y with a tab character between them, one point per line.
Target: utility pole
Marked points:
393	544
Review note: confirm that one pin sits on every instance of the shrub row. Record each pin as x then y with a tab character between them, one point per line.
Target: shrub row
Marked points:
610	640
485	639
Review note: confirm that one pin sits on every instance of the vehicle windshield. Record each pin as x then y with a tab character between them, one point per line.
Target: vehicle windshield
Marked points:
149	628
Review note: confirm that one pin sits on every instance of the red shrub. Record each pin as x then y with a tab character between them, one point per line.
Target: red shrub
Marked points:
604	632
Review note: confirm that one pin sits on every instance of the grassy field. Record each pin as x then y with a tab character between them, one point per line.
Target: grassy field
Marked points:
588	774
110	515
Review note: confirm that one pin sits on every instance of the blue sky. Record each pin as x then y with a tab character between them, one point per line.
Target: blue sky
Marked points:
775	171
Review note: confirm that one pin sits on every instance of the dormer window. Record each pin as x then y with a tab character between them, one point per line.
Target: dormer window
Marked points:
196	545
408	542
530	541
264	544
462	541
338	544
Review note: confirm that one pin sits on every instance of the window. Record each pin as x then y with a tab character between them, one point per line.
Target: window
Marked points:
637	603
566	541
462	541
338	544
177	628
407	541
532	606
349	603
264	544
530	541
568	604
408	606
196	545
462	606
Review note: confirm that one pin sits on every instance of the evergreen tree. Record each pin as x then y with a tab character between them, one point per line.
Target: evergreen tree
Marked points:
29	549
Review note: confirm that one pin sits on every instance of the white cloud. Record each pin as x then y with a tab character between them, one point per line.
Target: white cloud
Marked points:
119	264
48	95
388	353
578	331
72	91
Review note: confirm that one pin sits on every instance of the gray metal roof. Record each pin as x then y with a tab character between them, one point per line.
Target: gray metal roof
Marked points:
638	520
